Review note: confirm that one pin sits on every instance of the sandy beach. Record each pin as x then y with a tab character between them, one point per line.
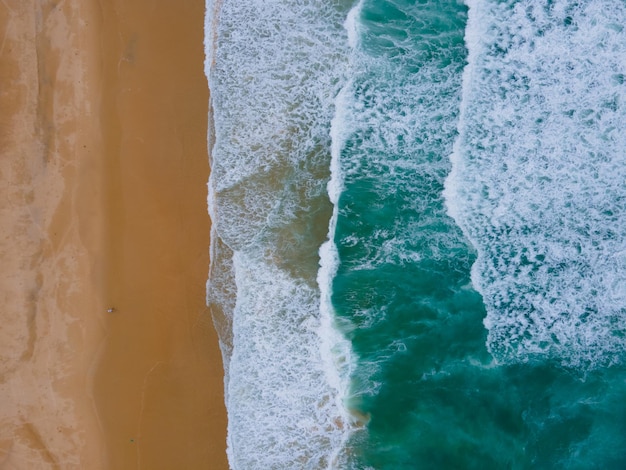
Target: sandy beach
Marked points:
103	114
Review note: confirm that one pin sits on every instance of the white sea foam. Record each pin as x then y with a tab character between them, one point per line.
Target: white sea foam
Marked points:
277	69
211	15
274	68
352	25
538	176
282	412
336	351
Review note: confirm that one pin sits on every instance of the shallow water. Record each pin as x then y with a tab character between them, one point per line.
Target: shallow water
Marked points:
465	163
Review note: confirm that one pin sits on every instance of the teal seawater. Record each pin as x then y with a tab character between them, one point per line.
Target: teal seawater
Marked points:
424	383
476	262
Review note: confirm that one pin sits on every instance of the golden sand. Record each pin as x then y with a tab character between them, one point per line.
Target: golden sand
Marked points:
103	169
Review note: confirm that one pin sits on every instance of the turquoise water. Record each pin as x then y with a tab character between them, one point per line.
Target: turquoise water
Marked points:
419	232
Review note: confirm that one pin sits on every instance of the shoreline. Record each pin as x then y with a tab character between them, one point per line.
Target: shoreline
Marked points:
159	384
105	167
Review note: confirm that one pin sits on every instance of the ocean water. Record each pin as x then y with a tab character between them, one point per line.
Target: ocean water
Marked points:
419	232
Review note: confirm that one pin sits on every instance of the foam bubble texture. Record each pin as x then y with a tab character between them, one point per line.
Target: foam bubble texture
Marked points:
282	412
274	67
277	69
538	177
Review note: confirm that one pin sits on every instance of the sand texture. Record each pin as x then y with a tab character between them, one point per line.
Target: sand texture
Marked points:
103	169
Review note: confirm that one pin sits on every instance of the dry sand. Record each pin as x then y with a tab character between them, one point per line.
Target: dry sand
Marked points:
103	113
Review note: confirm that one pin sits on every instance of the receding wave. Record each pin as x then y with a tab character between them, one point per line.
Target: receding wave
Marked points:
274	67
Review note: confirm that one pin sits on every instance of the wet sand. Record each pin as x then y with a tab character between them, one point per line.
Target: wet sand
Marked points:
103	114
